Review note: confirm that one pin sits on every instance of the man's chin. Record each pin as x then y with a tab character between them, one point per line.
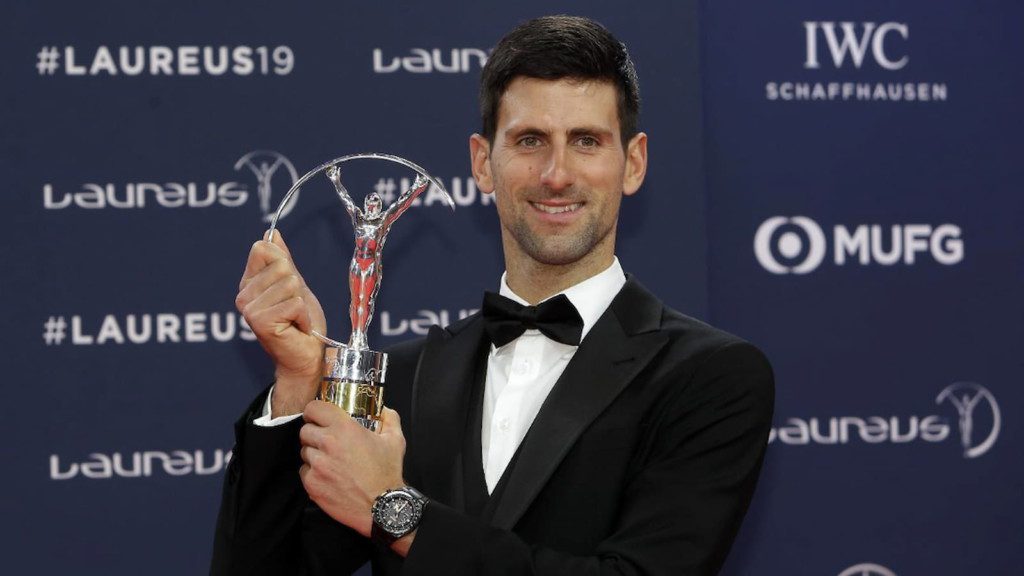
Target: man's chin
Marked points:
560	254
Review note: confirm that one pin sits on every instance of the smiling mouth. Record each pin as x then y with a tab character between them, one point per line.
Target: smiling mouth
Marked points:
548	209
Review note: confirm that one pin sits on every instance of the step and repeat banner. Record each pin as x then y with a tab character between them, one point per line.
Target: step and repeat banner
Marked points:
839	184
866	226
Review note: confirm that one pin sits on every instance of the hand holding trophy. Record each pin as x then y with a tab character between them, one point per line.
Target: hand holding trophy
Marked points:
353	375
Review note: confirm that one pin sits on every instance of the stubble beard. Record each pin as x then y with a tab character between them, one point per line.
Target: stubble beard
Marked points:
558	249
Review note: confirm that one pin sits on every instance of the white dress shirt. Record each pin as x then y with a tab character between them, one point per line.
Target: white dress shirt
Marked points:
520	374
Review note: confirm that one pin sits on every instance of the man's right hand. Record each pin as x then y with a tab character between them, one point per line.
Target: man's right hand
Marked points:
283	312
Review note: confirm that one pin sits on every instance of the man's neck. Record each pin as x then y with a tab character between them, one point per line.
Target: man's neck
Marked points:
534	281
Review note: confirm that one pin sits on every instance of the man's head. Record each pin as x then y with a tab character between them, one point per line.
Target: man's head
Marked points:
556	47
560	149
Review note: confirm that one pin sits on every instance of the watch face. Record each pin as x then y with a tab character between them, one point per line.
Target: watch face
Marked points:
397	513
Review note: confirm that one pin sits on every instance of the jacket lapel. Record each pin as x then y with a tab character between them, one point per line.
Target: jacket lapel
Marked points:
441	403
619	346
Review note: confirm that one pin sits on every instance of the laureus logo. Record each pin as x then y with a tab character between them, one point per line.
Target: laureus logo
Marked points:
797	241
966	397
867	569
264	164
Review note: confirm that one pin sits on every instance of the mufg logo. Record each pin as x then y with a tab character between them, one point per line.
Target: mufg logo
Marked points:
264	165
852	43
867	569
798	245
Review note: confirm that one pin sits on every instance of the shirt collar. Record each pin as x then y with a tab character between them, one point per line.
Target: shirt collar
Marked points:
591	297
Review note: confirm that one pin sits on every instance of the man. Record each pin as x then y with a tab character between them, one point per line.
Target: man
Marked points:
625	438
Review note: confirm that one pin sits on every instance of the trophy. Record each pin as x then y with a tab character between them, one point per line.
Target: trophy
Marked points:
354	375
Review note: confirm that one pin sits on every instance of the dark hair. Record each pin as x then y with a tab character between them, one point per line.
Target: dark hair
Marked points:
554	47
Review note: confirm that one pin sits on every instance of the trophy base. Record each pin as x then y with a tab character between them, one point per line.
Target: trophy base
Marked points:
363	402
353	381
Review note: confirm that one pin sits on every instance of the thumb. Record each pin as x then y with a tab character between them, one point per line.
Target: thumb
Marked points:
390	423
278	240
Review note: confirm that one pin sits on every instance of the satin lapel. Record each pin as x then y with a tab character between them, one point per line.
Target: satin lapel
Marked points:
440	408
621	343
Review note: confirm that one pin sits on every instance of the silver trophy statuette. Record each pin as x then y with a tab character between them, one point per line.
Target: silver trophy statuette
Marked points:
353	374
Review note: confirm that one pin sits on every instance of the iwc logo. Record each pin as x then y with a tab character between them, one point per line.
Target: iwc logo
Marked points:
867	569
966	397
264	164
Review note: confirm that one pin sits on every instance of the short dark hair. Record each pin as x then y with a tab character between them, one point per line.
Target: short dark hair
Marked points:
554	47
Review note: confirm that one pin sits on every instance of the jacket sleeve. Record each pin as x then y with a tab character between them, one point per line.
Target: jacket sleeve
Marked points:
267	524
679	512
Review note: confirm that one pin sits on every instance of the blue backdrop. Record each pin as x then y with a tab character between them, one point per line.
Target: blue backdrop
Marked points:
837	182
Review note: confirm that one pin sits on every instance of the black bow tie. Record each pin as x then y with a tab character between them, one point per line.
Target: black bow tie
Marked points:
505	319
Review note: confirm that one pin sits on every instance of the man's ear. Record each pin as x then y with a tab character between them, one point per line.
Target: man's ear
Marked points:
636	164
479	158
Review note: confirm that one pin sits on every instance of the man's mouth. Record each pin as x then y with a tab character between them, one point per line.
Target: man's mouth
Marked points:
562	209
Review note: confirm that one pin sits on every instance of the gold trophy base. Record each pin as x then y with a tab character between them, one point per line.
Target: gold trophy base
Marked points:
362	401
353	380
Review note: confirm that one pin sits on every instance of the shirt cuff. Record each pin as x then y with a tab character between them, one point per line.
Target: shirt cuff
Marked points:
266	421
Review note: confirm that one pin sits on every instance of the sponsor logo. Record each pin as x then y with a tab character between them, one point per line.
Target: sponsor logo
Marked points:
867	569
419	324
832	48
854	43
272	173
798	245
424	61
264	164
141	464
166	61
162	328
966	397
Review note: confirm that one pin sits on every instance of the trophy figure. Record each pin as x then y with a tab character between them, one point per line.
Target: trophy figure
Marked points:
354	375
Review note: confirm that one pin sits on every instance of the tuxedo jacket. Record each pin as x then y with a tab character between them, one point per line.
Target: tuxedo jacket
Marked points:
642	460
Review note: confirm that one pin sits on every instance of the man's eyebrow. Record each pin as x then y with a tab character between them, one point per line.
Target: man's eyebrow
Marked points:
517	131
595	131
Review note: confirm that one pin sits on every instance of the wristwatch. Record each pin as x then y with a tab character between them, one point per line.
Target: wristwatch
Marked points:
396	513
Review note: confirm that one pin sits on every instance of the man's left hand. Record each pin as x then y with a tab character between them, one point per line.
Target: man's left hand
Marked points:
347	466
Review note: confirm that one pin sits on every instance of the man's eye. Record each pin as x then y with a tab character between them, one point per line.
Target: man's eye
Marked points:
529	141
587	141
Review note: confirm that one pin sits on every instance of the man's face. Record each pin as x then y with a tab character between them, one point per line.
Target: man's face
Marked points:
558	170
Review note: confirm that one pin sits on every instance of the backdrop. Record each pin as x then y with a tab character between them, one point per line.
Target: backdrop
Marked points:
838	182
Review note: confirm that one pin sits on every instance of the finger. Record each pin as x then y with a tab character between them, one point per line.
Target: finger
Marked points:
279	318
278	240
260	255
270	274
323	413
309	455
276	306
311	435
277	283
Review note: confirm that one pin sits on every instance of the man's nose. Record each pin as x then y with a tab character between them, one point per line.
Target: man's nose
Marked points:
558	173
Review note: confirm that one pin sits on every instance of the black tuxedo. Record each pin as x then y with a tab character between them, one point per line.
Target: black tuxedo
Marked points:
642	460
